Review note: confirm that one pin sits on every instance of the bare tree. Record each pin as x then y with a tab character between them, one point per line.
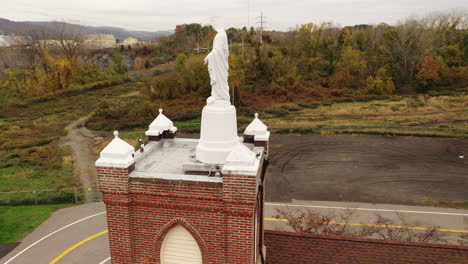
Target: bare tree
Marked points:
405	232
463	239
69	39
404	45
448	27
310	221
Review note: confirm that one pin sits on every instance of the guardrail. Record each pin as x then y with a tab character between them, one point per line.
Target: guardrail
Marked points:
76	194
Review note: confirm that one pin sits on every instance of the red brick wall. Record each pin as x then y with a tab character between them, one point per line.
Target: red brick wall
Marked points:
240	197
140	212
114	185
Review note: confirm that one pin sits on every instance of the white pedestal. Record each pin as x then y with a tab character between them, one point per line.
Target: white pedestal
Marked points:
218	134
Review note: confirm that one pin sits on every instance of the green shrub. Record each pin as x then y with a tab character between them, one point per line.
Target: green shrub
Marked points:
147	64
327	103
279	112
164	86
292	108
312	105
416	102
99	84
304	131
396	107
157	72
283	131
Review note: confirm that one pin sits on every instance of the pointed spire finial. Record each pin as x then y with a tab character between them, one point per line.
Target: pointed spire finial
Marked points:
116	133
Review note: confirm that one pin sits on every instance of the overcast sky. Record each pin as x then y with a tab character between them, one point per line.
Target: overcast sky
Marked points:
153	15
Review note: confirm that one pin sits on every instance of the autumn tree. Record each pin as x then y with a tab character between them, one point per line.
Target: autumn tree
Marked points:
428	72
57	63
350	71
380	84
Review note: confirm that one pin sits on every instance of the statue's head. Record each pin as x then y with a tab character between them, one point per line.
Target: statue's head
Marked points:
218	27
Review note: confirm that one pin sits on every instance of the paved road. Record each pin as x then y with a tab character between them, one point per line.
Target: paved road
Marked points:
52	246
85	221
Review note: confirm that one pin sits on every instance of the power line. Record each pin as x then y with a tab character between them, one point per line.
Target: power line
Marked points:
262	22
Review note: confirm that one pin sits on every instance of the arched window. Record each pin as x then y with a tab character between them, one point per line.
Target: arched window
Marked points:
179	247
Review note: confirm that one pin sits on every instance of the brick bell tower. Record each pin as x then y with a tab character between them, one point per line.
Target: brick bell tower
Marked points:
165	206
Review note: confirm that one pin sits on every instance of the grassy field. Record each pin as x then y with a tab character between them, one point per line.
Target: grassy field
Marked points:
18	221
434	116
444	116
29	157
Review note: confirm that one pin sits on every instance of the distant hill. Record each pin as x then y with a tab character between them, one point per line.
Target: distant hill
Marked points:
8	27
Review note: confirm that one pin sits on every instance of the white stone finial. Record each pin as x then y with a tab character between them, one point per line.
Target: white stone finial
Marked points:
117	154
257	129
241	139
241	158
159	125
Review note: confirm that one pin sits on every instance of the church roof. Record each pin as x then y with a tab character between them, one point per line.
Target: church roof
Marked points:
287	247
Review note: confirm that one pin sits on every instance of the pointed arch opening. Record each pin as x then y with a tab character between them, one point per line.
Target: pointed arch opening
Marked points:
180	247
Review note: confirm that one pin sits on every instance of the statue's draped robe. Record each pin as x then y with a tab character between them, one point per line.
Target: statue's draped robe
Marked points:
218	67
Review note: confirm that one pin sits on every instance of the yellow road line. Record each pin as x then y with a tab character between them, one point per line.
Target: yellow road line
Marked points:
374	225
77	245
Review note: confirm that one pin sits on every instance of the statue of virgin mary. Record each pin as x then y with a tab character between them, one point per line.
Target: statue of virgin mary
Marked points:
218	67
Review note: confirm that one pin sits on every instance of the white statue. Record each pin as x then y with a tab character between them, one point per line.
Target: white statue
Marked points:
218	132
218	67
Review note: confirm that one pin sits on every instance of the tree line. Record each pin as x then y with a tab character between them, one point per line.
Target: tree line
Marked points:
415	55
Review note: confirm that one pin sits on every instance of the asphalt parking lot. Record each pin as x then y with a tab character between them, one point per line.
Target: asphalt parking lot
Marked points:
370	169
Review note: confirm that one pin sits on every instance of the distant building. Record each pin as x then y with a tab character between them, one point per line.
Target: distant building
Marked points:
130	41
12	40
100	41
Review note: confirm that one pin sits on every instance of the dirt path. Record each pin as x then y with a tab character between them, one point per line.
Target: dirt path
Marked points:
80	139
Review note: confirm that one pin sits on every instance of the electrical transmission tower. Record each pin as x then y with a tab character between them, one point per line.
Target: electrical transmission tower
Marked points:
262	23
